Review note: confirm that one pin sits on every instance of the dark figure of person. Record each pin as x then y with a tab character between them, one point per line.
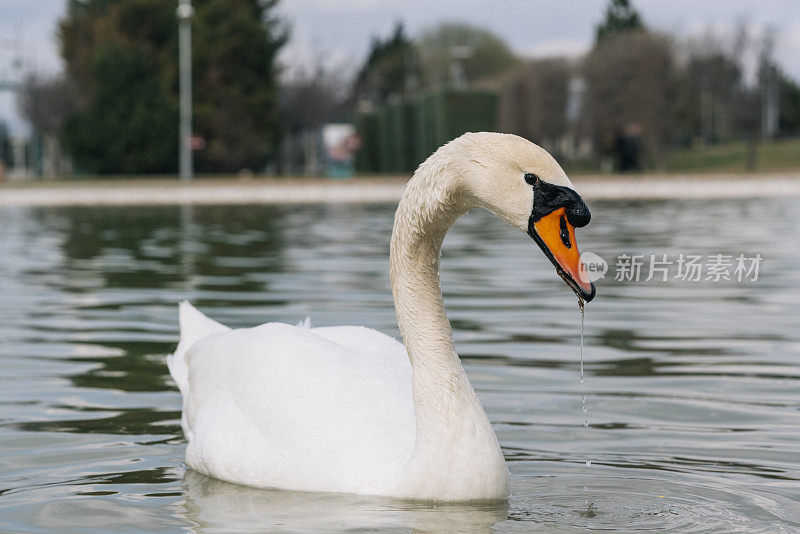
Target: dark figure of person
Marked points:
629	148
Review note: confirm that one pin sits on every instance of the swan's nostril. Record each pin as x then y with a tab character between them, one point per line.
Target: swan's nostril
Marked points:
564	232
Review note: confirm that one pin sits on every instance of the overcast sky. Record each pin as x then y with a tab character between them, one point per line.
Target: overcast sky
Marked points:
342	29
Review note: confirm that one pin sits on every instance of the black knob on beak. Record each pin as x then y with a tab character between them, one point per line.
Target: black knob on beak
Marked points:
548	198
578	214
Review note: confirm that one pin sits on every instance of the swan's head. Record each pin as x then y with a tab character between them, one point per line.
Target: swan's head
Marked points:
524	185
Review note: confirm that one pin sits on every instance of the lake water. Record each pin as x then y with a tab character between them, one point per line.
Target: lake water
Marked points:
693	387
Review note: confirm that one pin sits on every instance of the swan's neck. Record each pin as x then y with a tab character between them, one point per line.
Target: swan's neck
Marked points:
426	211
452	427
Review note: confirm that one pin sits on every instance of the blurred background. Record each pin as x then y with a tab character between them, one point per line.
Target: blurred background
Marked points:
301	87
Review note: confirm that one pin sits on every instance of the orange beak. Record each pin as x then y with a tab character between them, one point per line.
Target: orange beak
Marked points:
556	237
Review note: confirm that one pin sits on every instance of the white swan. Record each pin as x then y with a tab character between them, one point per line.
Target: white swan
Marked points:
349	409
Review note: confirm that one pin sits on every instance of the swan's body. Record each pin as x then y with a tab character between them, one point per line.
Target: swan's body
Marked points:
322	409
349	409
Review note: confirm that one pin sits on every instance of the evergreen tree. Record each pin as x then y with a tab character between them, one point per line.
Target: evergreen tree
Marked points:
789	113
6	152
389	64
122	56
620	17
235	45
130	125
118	55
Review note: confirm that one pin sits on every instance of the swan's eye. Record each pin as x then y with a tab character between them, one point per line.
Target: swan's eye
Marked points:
531	178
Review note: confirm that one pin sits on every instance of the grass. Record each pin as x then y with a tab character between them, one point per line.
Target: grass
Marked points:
782	155
776	156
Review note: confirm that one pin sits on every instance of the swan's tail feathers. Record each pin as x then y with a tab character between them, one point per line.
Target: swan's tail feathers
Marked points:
195	326
305	323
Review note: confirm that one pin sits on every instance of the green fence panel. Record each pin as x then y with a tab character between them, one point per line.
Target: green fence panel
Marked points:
446	114
384	140
409	131
468	111
401	135
367	158
396	158
402	125
427	125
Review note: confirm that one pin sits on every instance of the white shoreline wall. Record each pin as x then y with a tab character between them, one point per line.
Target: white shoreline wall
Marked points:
374	191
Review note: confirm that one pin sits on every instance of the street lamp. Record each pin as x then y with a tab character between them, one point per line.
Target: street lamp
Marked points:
458	54
184	13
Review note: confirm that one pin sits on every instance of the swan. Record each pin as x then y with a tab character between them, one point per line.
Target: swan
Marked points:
348	409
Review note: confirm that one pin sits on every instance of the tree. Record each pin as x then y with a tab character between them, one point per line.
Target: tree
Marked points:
314	96
122	57
310	98
714	77
6	152
119	54
454	53
631	86
390	65
534	103
48	105
236	43
789	114
130	125
725	106
620	17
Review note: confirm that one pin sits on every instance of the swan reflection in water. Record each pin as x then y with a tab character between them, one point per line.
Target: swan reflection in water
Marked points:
212	505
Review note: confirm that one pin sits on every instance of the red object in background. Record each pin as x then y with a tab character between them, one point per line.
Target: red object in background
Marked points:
197	142
353	143
338	153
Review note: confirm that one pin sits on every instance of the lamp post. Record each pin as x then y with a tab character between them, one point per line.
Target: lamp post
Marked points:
184	13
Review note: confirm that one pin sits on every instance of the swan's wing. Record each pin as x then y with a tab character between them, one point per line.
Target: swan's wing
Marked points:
360	339
276	405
